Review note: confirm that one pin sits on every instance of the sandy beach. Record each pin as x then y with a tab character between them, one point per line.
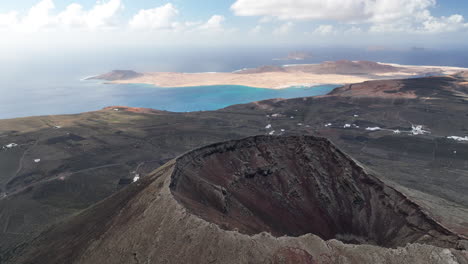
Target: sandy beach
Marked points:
272	80
291	76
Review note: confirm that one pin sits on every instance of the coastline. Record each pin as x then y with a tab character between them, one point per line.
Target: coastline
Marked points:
291	77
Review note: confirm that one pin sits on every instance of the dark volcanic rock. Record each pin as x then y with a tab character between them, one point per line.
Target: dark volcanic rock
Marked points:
298	185
117	75
285	185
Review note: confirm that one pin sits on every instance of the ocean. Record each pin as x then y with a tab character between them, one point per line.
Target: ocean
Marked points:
49	83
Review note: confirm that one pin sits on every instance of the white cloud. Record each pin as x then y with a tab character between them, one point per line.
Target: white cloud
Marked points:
300	10
445	24
283	29
156	18
325	29
215	23
9	19
102	14
382	15
265	20
353	30
423	23
341	10
257	29
40	16
73	16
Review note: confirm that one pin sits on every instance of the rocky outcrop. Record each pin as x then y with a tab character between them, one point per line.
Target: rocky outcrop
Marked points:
256	200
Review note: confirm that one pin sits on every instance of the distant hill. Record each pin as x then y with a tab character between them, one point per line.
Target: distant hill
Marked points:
117	75
344	67
351	67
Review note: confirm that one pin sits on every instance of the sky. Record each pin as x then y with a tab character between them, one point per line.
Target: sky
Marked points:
108	23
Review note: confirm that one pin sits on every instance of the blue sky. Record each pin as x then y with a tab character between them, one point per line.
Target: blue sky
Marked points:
394	22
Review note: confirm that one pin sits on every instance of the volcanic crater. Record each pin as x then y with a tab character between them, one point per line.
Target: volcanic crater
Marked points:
296	185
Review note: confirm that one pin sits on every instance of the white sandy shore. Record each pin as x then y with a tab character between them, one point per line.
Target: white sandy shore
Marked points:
279	80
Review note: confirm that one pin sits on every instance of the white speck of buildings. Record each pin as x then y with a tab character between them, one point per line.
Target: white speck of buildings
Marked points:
328	125
396	131
282	130
458	138
268	126
271	133
299	124
418	130
136	178
116	109
11	145
347	126
292	117
373	128
37	160
356	115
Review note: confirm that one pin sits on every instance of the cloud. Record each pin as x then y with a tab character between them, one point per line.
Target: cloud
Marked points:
445	24
423	23
257	29
38	15
265	20
101	15
325	29
340	10
283	29
41	16
73	16
382	15
8	19
298	10
156	18
215	23
353	30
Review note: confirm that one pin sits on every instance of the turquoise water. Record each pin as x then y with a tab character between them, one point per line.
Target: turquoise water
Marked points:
86	96
201	98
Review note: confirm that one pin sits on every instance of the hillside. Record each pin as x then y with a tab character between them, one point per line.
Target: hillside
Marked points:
285	186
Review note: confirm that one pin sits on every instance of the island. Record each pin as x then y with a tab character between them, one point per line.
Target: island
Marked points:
279	77
296	55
